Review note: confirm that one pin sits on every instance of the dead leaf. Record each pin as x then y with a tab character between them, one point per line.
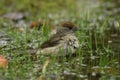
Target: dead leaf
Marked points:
3	62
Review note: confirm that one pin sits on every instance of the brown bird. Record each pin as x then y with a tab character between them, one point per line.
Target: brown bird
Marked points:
63	42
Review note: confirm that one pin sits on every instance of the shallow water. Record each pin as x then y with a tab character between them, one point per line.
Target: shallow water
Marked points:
100	61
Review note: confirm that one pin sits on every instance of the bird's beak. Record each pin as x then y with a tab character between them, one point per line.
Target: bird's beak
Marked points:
82	29
76	29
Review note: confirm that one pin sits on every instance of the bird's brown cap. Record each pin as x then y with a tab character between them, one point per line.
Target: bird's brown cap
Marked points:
69	25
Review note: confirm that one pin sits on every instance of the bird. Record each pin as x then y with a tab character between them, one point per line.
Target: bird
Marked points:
63	42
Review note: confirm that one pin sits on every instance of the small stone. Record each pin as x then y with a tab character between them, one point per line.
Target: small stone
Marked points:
15	16
93	74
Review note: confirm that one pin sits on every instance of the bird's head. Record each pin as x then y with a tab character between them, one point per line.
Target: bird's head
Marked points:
69	25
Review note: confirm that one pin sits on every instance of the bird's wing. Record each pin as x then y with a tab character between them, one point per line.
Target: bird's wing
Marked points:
54	40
